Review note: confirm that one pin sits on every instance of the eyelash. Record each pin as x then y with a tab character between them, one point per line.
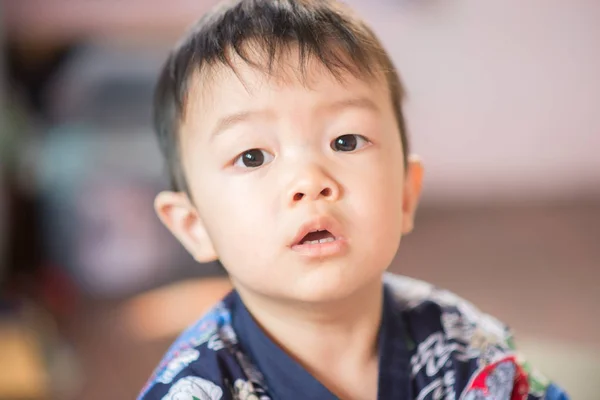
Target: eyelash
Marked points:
354	136
263	155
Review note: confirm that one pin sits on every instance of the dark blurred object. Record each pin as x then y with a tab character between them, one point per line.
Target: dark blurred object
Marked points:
27	71
30	68
18	237
3	227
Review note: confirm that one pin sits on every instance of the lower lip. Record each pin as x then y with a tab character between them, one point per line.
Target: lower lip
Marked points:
320	250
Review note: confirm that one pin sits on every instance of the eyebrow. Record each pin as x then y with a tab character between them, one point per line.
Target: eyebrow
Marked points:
231	120
354	102
227	122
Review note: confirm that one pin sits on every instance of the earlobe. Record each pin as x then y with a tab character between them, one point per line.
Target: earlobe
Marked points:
412	192
180	216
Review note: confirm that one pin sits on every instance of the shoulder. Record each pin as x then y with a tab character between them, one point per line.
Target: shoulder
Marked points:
205	362
428	310
453	341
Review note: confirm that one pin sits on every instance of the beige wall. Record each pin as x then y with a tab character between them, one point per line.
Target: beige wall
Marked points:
504	95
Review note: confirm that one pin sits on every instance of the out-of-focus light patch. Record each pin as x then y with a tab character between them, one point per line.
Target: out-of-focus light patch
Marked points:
165	312
22	370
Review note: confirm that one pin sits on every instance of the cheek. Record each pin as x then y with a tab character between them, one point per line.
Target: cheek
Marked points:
244	232
238	216
377	199
381	200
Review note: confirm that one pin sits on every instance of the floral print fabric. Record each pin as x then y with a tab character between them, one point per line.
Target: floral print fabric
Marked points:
456	352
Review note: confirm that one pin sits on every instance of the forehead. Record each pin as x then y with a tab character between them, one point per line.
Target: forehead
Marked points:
291	82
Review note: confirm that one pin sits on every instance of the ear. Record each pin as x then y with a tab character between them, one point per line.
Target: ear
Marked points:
179	215
413	184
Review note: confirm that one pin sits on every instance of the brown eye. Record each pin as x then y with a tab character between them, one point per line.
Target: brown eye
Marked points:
253	158
349	142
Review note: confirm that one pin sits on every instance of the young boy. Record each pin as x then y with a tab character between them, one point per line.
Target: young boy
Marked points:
282	124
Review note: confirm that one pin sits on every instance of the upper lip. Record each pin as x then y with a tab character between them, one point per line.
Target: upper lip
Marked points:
320	223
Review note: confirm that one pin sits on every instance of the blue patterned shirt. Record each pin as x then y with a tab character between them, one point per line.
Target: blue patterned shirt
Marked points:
432	345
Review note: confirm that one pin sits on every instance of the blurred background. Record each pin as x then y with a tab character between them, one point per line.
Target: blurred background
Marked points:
503	106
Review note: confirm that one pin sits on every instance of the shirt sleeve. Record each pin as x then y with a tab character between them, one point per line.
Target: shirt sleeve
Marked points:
502	368
511	377
185	387
553	392
539	386
462	350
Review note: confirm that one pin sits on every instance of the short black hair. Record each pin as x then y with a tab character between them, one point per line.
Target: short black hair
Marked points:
323	29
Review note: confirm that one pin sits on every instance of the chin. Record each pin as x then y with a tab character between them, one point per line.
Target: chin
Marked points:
327	286
322	294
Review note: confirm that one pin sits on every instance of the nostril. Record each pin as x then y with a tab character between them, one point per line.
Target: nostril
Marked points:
298	196
326	192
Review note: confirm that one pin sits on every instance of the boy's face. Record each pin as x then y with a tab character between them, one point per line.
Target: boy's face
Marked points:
268	160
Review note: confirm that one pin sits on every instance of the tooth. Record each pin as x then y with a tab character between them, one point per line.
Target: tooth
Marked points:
314	242
326	240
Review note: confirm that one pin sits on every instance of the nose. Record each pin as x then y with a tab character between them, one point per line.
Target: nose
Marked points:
313	183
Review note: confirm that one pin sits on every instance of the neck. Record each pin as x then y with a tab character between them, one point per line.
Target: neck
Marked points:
337	337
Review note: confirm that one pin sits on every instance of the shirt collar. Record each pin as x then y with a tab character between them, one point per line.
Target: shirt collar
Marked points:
287	379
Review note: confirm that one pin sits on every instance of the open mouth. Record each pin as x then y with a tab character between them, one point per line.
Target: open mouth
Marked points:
317	237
